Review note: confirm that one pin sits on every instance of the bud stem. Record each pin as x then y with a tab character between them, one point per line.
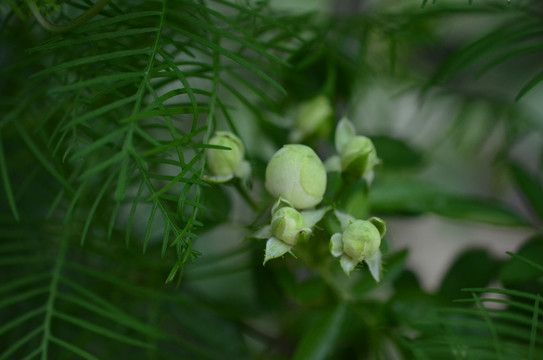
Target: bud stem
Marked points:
245	195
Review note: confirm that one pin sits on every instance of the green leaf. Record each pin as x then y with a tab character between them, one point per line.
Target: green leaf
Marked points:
96	113
472	268
396	155
38	153
530	186
103	165
530	85
240	60
100	330
105	81
319	340
94	206
90	39
150	223
416	197
73	348
92	60
533	334
518	273
101	23
7	183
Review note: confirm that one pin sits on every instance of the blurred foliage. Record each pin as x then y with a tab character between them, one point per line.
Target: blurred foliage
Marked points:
103	131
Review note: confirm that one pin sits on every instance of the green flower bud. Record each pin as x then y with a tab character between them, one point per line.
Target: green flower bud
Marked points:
358	156
314	116
288	225
361	240
222	162
297	174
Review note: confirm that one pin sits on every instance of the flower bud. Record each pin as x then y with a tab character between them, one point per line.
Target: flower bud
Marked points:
361	239
296	174
314	116
288	225
358	156
223	162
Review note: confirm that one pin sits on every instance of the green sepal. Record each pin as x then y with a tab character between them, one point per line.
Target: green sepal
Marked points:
347	264
275	248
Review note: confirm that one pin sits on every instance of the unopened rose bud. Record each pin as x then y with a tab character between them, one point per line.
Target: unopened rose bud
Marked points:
288	225
296	174
358	156
361	239
223	162
314	117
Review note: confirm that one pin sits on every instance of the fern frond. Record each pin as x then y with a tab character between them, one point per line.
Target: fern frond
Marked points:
58	303
482	331
137	91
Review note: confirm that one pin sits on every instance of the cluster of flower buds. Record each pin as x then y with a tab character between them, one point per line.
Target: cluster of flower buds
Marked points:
296	176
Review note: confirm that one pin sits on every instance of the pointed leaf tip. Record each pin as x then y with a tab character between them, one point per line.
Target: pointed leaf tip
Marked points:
374	264
336	245
344	219
379	224
312	217
345	131
274	249
347	264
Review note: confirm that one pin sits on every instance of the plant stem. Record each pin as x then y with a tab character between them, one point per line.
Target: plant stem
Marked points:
245	195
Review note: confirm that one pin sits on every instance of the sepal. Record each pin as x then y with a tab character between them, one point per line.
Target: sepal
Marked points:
347	264
345	132
275	248
374	264
336	245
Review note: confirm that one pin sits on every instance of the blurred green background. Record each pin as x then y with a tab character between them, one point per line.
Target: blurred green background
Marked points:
111	245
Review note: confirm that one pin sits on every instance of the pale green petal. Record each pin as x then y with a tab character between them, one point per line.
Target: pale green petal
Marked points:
347	264
312	217
336	245
379	224
369	177
218	179
263	233
344	219
345	131
275	248
281	202
243	170
374	264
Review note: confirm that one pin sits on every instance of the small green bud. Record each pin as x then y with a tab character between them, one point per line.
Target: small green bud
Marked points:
288	225
358	156
361	239
296	174
345	132
222	162
314	116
